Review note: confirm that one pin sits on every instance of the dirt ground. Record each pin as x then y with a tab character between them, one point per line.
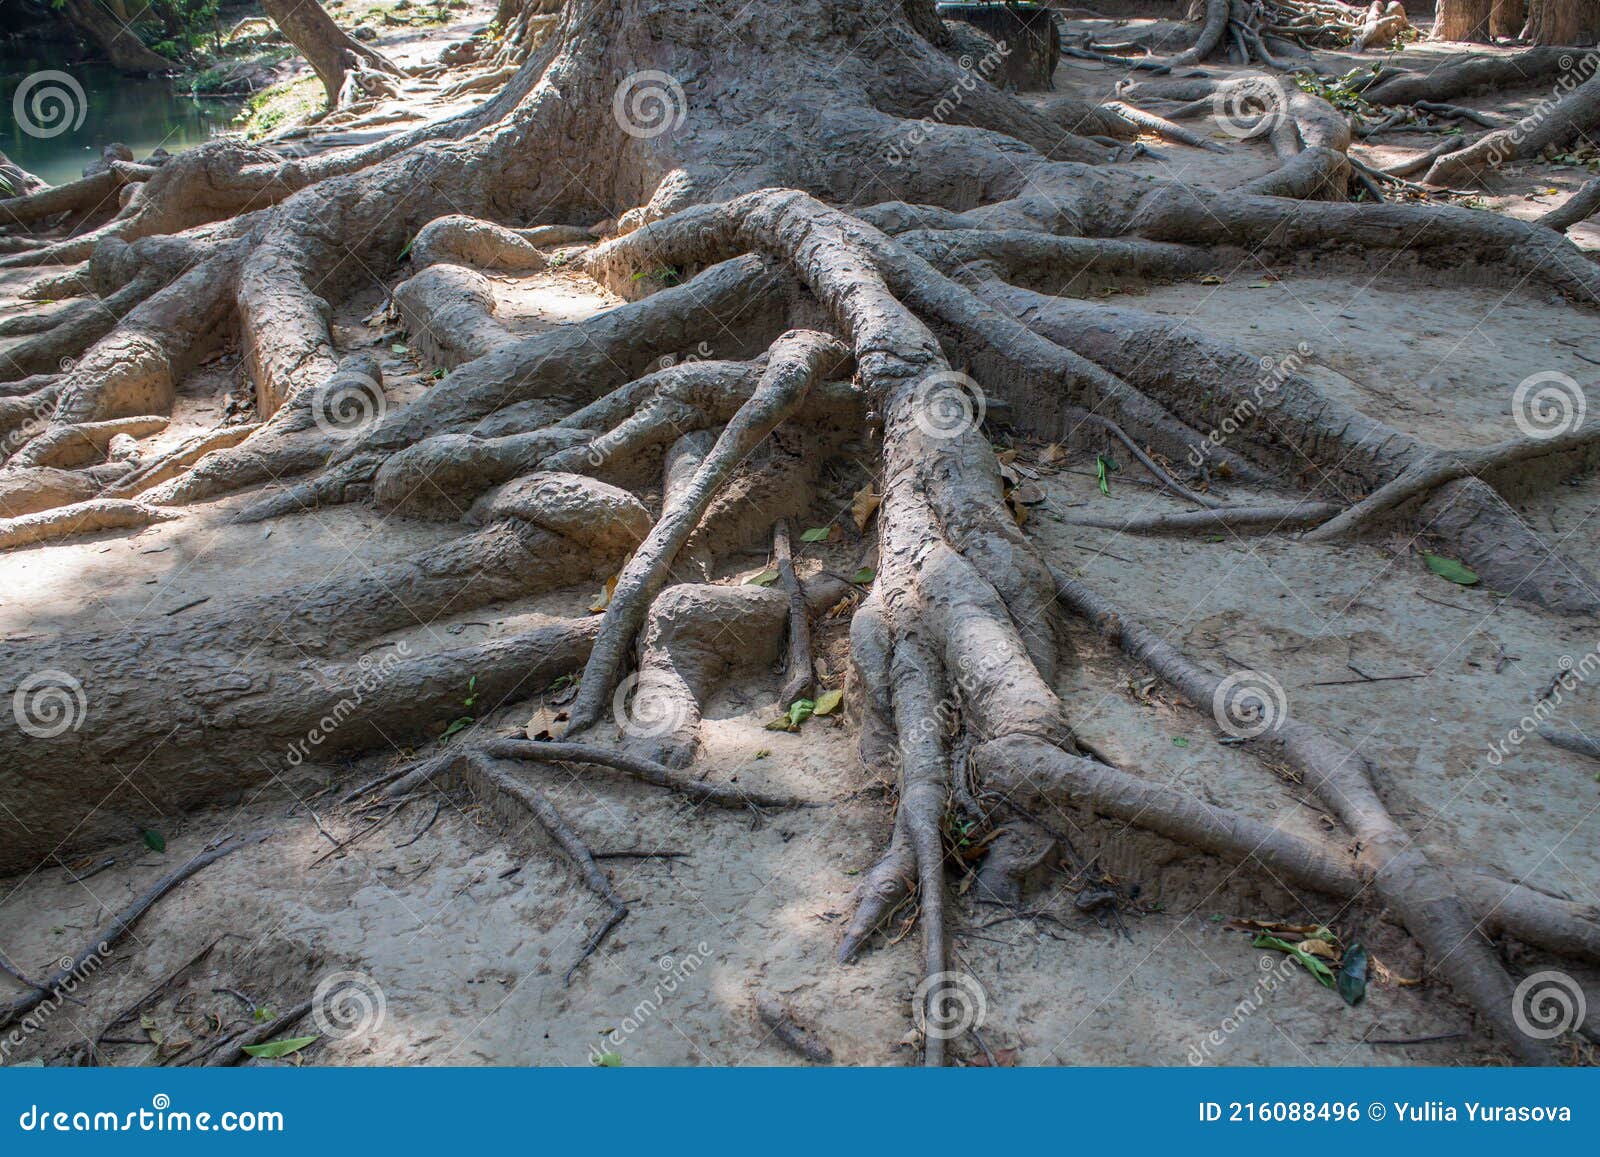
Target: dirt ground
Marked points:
468	928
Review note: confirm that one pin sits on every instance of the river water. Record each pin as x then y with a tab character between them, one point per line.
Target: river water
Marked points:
141	112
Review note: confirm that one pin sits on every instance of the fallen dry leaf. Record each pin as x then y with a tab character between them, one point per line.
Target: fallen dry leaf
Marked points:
863	505
603	599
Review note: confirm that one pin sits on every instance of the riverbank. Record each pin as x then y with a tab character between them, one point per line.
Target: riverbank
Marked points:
245	79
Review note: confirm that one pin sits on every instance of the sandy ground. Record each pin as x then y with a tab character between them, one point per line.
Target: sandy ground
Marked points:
467	927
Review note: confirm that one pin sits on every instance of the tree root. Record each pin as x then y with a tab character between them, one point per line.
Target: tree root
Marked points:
88	517
1436	469
1575	113
1033	774
1579	207
798	679
490	782
791	1034
1256	519
1417	890
54	985
231	1051
1571	740
645	770
797	360
955	648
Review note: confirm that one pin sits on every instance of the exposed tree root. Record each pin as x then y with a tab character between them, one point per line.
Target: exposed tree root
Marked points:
942	280
797	682
69	971
231	1051
1582	205
1257	519
797	361
1418	891
1575	113
493	783
792	1035
1571	740
86	517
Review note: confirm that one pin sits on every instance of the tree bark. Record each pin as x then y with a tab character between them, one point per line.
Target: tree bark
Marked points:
823	174
1463	20
126	51
1508	17
1575	22
333	54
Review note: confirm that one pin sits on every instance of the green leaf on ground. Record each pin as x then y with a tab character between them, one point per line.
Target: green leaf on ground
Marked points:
1449	568
1103	469
608	1060
815	534
1313	964
865	575
765	579
1353	974
1180	741
273	1049
828	702
799	711
153	839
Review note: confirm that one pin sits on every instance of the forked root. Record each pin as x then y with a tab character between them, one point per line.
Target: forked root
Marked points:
1401	873
491	782
798	360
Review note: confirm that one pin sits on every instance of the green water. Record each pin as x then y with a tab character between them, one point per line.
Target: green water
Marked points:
141	112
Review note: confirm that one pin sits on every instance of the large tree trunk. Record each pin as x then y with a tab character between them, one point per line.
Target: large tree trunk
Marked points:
1466	20
126	51
1575	22
1508	18
348	69
851	216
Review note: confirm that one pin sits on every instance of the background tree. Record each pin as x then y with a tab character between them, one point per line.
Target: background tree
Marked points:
1575	22
115	36
347	68
1508	17
1467	20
